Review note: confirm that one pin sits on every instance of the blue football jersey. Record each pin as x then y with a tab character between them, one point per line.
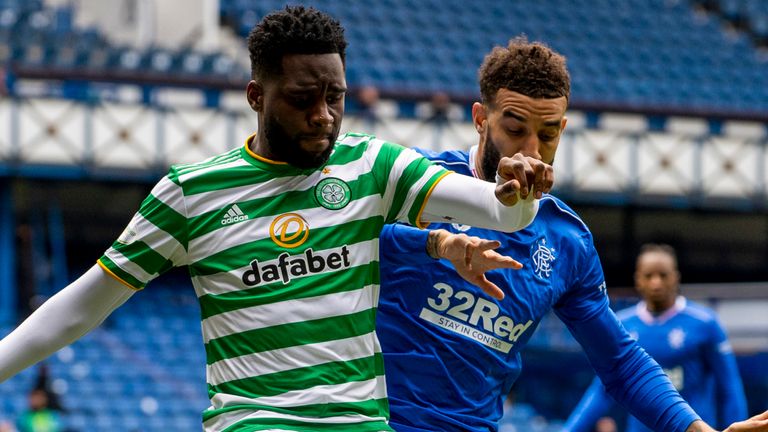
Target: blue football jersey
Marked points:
692	348
452	353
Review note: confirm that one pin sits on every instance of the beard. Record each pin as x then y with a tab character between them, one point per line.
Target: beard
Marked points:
489	160
287	148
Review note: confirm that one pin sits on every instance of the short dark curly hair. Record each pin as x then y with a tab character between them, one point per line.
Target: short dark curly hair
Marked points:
529	68
293	30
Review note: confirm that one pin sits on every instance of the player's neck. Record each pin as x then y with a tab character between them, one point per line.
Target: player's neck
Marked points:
659	308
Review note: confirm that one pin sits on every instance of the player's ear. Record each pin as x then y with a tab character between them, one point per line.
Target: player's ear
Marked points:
479	117
254	92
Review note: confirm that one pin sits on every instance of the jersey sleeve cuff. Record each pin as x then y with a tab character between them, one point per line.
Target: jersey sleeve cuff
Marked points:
423	197
119	274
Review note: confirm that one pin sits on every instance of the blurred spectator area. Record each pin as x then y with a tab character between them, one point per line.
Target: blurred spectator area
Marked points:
670	56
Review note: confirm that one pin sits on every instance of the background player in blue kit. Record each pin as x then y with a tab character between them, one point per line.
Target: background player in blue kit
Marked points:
685	338
451	352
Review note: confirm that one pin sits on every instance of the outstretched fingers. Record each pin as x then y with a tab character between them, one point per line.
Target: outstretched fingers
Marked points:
489	287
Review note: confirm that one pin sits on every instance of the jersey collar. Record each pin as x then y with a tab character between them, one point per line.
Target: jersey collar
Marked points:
472	159
648	318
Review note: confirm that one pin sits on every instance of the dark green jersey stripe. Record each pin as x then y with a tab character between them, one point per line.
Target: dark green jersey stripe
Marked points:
144	256
224	158
253	425
418	203
340	372
265	249
289	335
230	177
350	279
368	408
120	273
385	161
411	174
292	201
164	217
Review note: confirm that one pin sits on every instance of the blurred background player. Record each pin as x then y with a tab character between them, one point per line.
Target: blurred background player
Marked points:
40	417
452	353
685	338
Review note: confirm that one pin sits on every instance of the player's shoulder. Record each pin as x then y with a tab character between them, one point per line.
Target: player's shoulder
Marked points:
181	173
628	314
368	144
354	139
445	157
557	216
699	312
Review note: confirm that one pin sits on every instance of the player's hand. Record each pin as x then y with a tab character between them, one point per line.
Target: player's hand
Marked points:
518	176
472	257
758	423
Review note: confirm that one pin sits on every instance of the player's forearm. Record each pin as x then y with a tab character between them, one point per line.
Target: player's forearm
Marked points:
470	201
64	318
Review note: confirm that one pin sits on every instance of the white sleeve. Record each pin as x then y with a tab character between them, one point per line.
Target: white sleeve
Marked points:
470	201
64	318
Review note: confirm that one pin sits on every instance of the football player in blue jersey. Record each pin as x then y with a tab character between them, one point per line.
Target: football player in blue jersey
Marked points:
684	338
452	352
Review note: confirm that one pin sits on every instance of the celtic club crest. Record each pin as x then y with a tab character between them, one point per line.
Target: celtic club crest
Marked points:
332	193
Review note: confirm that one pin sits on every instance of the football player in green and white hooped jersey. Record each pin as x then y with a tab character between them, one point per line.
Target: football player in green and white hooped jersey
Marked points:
281	240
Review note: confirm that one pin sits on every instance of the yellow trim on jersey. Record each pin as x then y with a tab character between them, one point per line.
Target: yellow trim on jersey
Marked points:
261	158
419	223
116	277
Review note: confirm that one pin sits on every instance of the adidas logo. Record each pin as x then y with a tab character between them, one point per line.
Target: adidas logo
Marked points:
234	215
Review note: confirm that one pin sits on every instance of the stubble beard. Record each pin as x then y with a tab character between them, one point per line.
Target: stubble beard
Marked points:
489	160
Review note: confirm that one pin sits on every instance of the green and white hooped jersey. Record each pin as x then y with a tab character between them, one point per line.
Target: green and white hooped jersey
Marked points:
284	262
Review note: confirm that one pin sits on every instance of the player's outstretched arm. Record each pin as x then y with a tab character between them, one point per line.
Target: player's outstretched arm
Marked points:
758	423
64	318
508	206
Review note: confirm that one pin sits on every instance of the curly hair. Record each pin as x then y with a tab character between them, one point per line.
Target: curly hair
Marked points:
529	68
293	30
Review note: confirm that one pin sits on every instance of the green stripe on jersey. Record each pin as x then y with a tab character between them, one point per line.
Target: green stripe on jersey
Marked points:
165	218
253	425
333	373
351	279
179	170
413	214
371	408
277	204
144	256
122	274
411	174
290	335
263	249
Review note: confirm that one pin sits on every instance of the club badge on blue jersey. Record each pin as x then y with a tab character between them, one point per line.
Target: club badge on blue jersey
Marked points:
542	258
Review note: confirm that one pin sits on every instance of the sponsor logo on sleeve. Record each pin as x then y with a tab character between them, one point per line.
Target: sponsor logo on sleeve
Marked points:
129	234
